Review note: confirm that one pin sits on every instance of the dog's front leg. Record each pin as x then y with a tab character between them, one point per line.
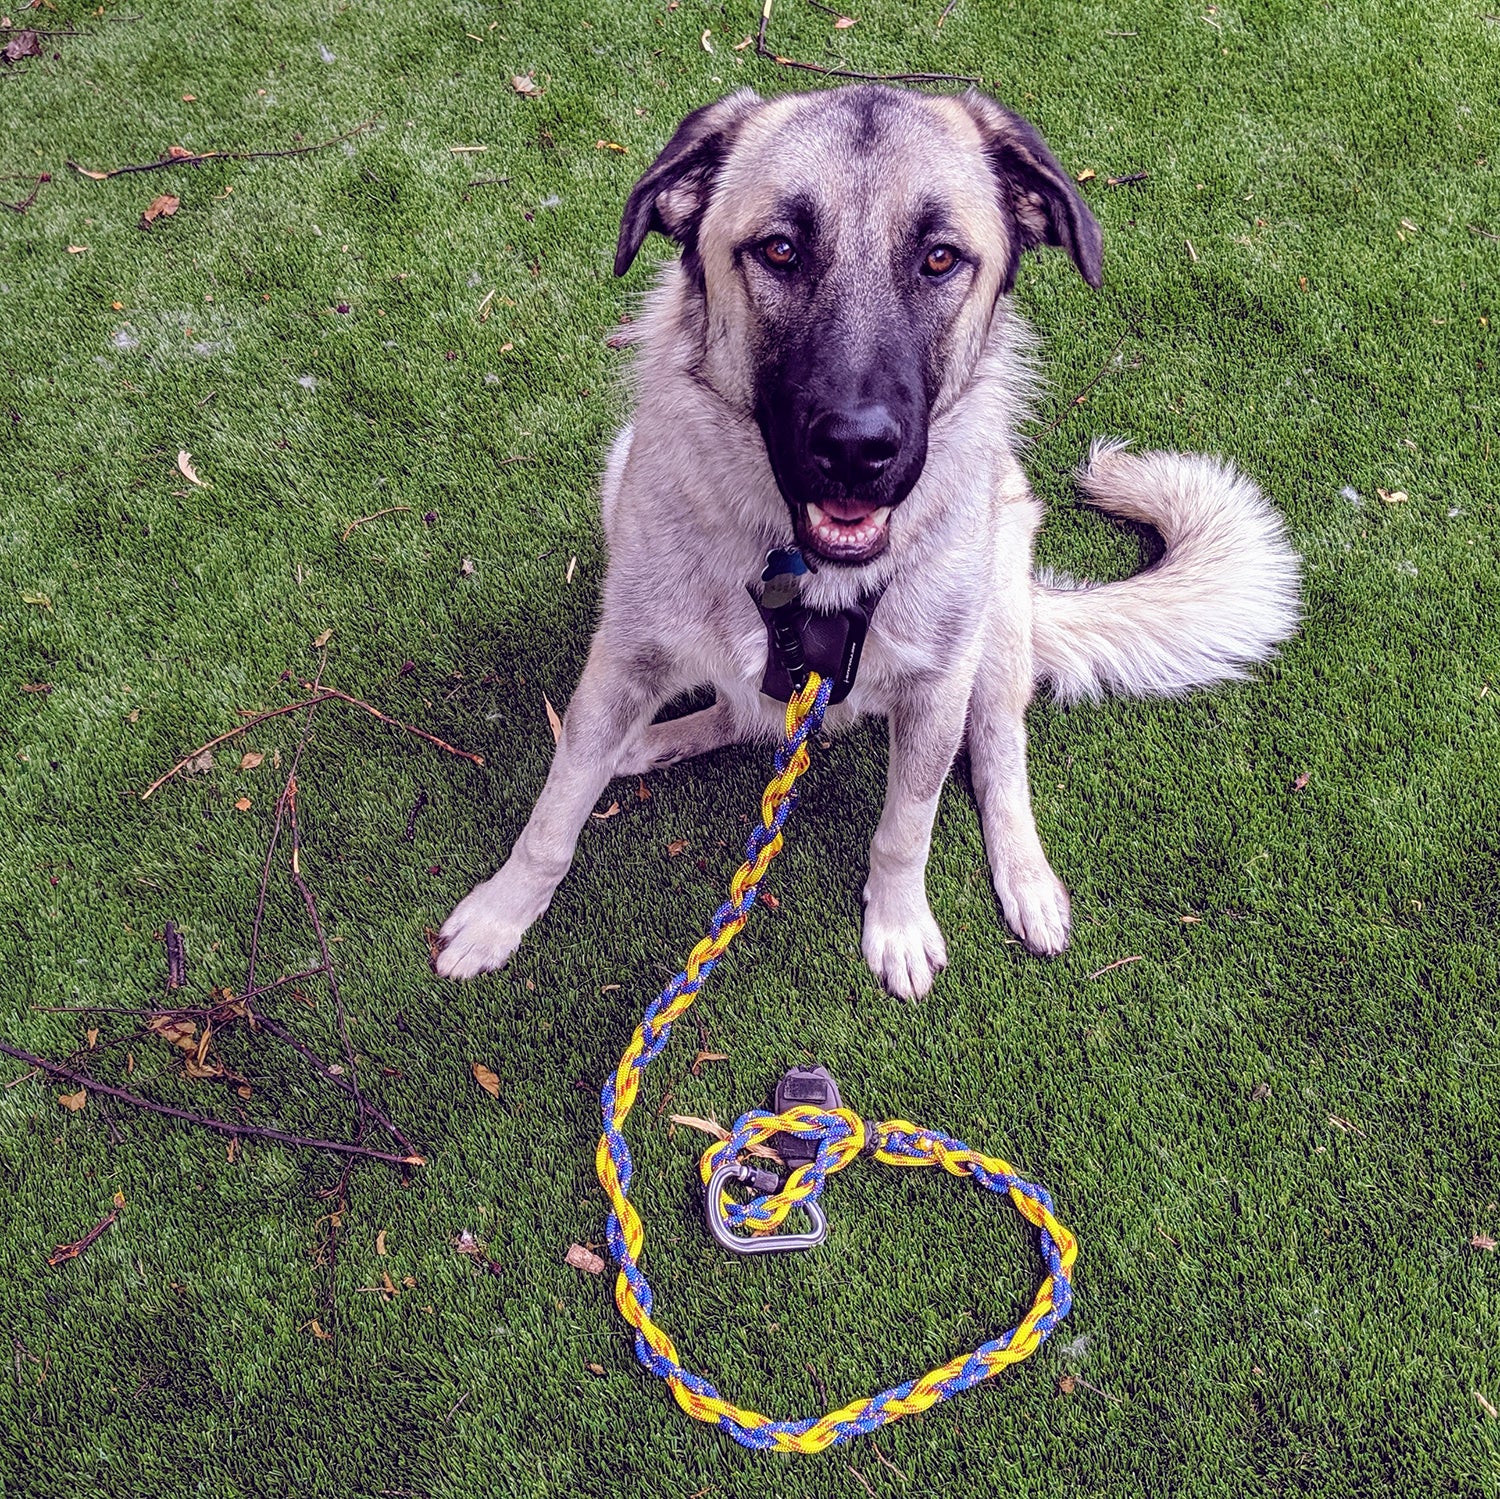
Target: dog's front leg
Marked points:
609	707
902	943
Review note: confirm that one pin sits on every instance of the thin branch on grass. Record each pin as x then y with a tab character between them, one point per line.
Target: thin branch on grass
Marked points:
243	728
1482	232
65	1252
1118	963
30	198
396	723
948	10
251	1131
1077	400
762	50
488	181
192	159
365	519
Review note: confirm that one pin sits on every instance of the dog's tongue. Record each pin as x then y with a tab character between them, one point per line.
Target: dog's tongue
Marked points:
846	511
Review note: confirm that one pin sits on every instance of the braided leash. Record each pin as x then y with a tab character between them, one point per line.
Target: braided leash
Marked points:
841	1135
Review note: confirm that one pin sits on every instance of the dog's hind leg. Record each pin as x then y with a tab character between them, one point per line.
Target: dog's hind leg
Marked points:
1034	900
607	711
664	744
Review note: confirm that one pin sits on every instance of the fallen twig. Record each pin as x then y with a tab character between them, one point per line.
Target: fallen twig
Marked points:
762	50
948	10
176	956
65	1252
365	519
1482	232
1118	963
30	197
1077	400
253	1131
396	723
409	836
178	157
243	728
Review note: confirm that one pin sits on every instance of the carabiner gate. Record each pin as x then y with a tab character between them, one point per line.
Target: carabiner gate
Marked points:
761	1181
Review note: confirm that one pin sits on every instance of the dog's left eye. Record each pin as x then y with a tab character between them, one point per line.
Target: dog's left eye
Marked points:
940	260
779	252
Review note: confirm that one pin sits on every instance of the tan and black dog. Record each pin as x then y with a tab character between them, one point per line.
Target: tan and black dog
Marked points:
835	362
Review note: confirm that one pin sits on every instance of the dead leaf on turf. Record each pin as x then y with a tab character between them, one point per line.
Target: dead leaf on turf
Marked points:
1067	1384
707	1126
707	1056
584	1259
609	146
186	469
1481	1241
243	804
612	810
77	249
318	1333
553	721
596	1369
1489	1409
380	1243
1087	175
319	641
1393	497
200	764
39	599
74	1101
769	901
525	85
642	791
22	45
182	1034
250	759
677	846
466	567
485	1078
162	207
844	23
1260	1091
1300	784
178	153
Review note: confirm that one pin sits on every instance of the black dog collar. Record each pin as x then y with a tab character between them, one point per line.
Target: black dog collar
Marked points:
800	640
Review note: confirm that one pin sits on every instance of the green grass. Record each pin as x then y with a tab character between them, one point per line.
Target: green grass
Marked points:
1277	1304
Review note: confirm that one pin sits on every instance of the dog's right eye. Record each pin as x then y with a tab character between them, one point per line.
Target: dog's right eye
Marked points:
779	252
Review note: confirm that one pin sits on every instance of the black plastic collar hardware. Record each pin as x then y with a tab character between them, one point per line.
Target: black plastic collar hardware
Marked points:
800	640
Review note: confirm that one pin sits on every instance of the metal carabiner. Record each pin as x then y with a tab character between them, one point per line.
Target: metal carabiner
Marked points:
726	1238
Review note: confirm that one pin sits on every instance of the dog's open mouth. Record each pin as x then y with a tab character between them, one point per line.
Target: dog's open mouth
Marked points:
844	530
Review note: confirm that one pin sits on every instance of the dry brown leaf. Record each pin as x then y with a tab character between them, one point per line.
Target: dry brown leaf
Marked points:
677	846
1489	1408
708	1126
844	23
318	1333
182	1034
707	1056
612	810
200	764
380	1244
96	176
554	722
642	791
1300	784
1260	1091
77	249
1067	1384
243	804
162	207
596	1369
74	1101
319	641
119	1199
609	146
485	1078
186	469
22	45
706	41
1087	175
39	599
250	759
1393	497
93	1038
584	1259
1481	1241
466	567
768	900
525	85
178	153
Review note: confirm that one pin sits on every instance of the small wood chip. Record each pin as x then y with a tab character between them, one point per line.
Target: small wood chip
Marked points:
584	1259
553	721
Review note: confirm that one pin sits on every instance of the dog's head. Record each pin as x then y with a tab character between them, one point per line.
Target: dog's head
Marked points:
848	249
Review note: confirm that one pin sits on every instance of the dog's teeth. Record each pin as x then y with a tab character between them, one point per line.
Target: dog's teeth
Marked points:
881	516
815	515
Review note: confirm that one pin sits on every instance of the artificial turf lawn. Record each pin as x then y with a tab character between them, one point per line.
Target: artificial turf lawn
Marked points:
1274	1301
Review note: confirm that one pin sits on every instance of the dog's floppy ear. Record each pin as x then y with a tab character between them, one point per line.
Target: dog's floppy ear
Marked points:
675	191
1039	200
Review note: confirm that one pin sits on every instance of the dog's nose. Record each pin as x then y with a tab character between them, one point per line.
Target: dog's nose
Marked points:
856	445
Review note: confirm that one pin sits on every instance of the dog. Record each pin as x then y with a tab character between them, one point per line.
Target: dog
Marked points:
835	362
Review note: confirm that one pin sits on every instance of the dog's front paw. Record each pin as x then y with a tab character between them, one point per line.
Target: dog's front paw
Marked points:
487	925
1036	907
904	948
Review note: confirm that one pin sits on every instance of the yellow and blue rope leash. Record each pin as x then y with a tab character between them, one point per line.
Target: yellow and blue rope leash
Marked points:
841	1134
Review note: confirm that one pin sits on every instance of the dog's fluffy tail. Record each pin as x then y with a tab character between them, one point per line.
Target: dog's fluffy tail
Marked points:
1221	596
